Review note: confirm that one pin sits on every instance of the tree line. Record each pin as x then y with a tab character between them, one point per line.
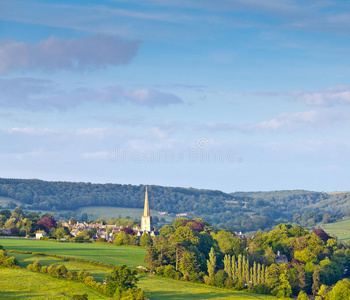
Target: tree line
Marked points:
238	211
312	262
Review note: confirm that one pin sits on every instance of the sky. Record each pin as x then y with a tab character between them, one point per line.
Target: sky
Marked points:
231	95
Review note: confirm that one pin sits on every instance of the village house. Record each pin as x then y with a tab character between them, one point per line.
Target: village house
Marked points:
40	234
281	258
6	231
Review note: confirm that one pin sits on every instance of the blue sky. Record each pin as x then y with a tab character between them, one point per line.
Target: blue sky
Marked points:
235	95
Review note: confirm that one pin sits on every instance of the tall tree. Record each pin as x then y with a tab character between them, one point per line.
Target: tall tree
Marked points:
211	265
316	280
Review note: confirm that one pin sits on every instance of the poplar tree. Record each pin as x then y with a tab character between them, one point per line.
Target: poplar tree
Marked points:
259	273
246	270
234	267
211	265
239	268
228	265
254	279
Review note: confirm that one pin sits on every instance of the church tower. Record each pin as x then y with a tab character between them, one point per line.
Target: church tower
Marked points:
146	219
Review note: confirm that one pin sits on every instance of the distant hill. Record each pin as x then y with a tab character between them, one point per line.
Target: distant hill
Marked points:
240	211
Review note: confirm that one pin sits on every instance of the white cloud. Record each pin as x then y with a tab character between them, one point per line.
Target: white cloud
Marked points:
325	97
37	94
287	122
61	53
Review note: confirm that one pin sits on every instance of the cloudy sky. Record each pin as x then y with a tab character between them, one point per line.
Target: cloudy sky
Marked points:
235	95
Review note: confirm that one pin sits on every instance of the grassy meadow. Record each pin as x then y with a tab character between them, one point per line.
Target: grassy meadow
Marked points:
110	254
41	286
98	272
339	229
164	288
23	284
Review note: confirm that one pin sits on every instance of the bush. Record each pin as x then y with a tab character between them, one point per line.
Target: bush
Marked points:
220	278
260	288
7	261
35	267
80	297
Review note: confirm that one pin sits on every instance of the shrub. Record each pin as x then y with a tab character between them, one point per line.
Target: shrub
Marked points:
80	297
35	267
220	278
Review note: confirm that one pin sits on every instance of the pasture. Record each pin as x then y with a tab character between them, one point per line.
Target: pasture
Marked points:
23	284
105	253
339	229
156	287
98	272
163	288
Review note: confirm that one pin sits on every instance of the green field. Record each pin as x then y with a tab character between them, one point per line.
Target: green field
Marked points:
157	288
339	229
163	288
98	272
110	254
23	284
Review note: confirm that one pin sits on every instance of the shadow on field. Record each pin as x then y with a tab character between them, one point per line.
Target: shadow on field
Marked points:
14	295
177	295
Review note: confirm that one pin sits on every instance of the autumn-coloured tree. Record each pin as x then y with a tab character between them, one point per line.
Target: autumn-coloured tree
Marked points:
47	223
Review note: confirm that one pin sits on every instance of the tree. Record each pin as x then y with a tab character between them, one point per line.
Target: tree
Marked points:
6	213
341	290
145	240
220	278
211	265
72	221
166	231
326	218
189	263
47	223
121	278
128	230
302	296
48	215
269	256
284	289
17	213
322	293
152	259
316	280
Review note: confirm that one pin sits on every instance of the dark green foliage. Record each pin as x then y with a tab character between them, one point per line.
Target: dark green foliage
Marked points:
6	261
80	297
121	278
236	211
6	213
220	278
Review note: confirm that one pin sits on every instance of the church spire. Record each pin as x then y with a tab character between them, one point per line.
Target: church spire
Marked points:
146	208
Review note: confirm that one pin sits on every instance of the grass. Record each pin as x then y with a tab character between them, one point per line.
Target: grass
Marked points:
339	229
163	288
23	284
98	272
110	254
157	287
